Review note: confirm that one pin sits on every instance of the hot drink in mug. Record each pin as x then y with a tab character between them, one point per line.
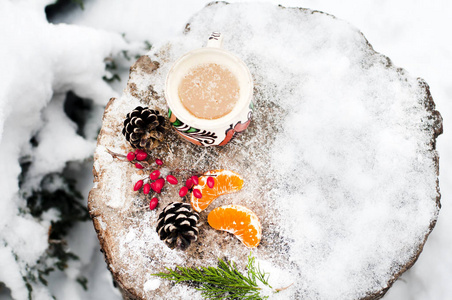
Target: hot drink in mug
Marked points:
209	92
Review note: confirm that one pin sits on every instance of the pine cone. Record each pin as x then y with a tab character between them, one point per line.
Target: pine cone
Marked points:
144	128
177	225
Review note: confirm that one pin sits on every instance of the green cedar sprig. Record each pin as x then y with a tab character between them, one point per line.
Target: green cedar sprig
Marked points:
224	281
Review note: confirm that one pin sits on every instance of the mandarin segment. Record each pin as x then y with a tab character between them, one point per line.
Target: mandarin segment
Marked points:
238	220
225	182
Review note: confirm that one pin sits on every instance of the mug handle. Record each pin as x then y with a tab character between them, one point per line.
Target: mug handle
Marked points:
215	40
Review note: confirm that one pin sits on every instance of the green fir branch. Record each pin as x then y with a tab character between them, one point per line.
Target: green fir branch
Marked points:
224	281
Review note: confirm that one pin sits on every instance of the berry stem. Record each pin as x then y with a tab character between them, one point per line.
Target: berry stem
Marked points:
146	165
116	155
141	208
189	172
151	195
168	148
178	170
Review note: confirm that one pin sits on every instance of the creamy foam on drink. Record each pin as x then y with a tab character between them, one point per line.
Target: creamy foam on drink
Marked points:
209	91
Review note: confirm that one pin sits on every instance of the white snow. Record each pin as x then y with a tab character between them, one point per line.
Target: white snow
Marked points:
277	278
40	62
103	225
151	285
50	156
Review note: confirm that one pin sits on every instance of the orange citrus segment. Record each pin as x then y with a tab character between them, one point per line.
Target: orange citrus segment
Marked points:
238	220
226	182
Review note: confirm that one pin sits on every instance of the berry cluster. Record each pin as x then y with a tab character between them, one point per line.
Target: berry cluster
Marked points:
190	185
155	182
139	159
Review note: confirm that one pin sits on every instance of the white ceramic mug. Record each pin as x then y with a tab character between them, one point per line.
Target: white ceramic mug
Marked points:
205	132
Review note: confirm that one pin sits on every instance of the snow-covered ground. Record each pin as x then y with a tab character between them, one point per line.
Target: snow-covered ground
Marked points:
41	62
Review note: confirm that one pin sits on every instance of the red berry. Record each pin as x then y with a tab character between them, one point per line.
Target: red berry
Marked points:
153	203
189	183
161	181
139	166
154	175
197	193
137	151
153	186
195	180
157	185
142	155
171	179
138	185
130	156
158	162
183	191
146	188
210	182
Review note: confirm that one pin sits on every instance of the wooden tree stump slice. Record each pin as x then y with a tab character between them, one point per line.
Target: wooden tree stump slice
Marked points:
339	162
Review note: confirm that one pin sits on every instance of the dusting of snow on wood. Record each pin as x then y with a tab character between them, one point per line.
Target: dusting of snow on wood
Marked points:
102	224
